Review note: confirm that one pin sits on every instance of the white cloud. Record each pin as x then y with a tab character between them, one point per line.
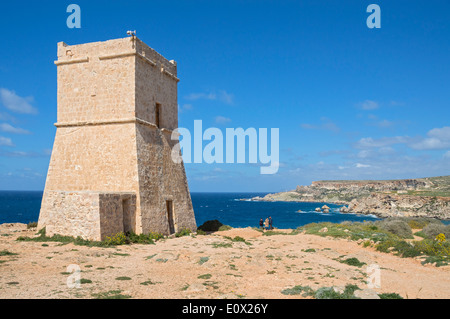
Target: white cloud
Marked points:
5	127
441	133
382	123
222	120
4	141
19	154
447	154
226	97
201	96
364	154
397	103
385	123
222	96
185	107
307	126
430	144
369	142
359	165
6	117
327	125
15	103
386	150
368	105
438	138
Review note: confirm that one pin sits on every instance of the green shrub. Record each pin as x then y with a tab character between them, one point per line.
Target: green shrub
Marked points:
400	247
117	239
32	225
121	254
431	247
42	231
390	296
327	293
273	232
63	239
352	262
7	253
386	245
210	225
297	290
397	227
420	234
420	222
123	278
437	260
354	231
139	239
367	243
432	230
149	238
203	260
406	250
350	289
330	293
222	245
155	236
334	230
183	232
388	235
238	239
112	294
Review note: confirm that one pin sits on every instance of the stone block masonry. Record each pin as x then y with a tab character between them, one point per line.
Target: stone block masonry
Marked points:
90	215
117	108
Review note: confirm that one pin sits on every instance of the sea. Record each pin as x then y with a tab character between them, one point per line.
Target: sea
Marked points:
233	209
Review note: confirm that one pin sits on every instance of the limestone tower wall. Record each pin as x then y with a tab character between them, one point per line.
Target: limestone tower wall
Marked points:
117	108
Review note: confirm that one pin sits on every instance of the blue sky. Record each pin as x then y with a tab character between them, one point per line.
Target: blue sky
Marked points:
350	102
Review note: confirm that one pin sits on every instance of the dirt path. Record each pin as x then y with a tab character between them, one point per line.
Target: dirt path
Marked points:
209	266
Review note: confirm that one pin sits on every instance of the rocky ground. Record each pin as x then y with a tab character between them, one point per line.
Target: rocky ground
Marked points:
206	266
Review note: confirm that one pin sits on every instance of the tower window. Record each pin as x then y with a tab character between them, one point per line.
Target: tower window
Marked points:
158	115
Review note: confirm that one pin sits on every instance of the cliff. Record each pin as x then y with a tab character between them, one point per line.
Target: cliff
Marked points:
389	205
424	197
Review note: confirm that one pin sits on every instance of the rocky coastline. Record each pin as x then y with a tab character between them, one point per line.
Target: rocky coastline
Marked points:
426	197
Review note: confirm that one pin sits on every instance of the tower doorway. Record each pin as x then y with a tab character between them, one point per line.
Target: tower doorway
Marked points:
170	219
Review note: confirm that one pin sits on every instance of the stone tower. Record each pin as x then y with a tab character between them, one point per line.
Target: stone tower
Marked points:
111	169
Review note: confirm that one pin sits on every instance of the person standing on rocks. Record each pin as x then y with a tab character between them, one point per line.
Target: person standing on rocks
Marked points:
270	222
266	224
